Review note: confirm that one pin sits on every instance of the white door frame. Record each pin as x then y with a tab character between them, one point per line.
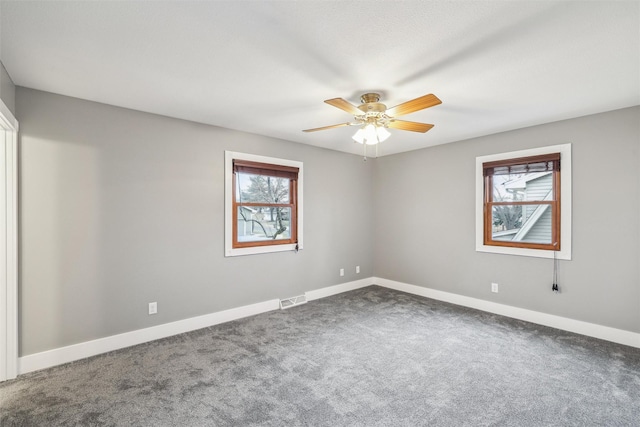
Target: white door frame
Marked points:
8	244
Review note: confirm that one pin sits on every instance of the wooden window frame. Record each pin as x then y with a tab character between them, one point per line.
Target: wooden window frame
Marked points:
523	164
565	186
281	166
273	170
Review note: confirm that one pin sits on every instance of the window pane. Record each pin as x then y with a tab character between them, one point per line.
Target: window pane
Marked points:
261	188
523	187
518	223
257	223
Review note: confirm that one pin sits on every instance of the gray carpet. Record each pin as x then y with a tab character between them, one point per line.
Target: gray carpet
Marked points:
371	357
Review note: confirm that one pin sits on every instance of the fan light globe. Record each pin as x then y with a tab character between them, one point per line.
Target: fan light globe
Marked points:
383	134
370	135
359	136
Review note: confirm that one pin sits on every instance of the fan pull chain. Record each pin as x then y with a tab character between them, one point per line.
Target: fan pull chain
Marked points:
554	286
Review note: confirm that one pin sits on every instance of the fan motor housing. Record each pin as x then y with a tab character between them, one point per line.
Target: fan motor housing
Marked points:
370	103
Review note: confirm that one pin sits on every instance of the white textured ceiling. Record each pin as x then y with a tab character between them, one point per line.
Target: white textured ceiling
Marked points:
266	66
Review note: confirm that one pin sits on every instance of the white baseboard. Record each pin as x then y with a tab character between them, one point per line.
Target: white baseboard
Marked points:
579	327
338	289
47	359
58	356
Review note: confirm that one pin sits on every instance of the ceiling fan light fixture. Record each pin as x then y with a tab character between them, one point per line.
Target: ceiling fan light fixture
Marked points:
374	118
371	134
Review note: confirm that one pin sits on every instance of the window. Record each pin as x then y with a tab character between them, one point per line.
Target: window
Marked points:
523	202
263	204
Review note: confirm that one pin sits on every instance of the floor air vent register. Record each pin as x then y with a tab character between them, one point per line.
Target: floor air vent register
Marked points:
293	301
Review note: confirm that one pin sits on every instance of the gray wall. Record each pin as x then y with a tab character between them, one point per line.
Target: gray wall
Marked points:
7	90
120	208
425	218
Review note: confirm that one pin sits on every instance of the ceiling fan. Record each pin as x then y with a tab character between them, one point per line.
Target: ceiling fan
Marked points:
374	117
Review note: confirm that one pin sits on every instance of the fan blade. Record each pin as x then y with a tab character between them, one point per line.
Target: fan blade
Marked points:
327	127
412	126
414	105
344	105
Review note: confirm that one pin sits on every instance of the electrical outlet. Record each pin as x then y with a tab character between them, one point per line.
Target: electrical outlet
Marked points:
494	287
153	307
357	269
342	272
